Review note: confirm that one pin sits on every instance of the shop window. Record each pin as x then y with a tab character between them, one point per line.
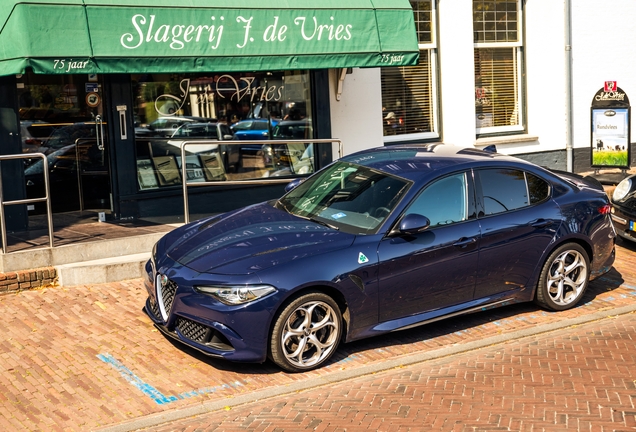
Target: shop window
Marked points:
498	66
409	94
226	108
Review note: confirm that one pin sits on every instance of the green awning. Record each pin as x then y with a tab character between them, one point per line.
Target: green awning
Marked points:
137	36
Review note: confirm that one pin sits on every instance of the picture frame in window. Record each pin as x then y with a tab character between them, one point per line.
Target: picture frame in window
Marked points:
213	168
146	176
194	170
167	170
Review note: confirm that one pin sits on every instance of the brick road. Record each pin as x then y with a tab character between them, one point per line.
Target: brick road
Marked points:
87	358
578	379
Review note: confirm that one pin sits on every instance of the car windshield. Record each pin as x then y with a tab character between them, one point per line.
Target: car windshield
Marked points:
346	196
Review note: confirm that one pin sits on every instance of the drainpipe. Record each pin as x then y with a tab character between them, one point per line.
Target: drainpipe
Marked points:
568	87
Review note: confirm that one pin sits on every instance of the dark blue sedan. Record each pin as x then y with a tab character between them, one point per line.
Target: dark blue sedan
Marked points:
624	208
381	240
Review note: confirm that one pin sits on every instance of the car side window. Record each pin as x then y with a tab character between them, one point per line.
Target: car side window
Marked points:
443	202
538	189
507	189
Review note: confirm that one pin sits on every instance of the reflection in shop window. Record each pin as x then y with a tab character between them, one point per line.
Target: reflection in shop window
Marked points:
409	95
226	108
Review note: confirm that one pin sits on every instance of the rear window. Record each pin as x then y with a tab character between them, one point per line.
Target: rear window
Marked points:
507	189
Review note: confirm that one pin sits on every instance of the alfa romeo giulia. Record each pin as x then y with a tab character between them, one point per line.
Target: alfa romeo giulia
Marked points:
378	241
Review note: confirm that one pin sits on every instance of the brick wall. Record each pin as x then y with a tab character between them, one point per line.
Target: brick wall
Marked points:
27	279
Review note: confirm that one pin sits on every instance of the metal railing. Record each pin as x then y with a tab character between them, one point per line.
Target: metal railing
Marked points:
264	181
47	198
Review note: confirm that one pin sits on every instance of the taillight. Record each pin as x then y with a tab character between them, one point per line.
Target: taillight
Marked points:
606	209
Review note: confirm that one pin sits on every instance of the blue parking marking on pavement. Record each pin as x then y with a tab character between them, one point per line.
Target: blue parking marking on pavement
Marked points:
152	392
348	359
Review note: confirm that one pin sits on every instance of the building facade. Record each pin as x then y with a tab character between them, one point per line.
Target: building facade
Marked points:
111	90
129	101
520	74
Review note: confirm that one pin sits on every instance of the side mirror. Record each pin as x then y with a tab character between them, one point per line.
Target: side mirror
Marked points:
228	137
413	223
293	184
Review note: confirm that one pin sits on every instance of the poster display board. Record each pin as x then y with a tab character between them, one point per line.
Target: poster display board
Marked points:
610	128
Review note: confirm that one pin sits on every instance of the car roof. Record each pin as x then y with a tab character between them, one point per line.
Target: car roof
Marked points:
414	161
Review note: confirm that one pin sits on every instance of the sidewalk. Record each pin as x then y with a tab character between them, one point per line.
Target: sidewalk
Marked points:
87	358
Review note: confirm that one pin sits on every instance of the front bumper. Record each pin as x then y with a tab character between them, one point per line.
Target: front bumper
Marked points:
237	333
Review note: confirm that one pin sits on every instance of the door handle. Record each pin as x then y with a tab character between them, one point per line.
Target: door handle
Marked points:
463	242
541	223
99	132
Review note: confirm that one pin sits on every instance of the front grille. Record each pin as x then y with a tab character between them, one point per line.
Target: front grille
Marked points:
154	308
167	294
203	335
166	290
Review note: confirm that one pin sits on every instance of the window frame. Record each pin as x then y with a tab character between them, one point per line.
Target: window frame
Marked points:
433	72
517	47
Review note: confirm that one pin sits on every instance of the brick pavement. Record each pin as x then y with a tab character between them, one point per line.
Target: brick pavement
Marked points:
86	357
576	379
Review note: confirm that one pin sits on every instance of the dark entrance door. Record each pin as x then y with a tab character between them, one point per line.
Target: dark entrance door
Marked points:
63	116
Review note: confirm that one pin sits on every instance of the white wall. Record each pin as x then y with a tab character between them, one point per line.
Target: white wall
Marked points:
457	72
356	118
604	49
546	80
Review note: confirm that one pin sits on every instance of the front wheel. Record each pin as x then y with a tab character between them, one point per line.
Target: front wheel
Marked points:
306	333
564	278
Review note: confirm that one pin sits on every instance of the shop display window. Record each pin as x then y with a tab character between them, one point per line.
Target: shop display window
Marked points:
220	112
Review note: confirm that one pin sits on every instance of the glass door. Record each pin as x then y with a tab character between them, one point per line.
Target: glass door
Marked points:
63	117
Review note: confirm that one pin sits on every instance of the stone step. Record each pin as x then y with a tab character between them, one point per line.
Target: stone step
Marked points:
103	270
78	252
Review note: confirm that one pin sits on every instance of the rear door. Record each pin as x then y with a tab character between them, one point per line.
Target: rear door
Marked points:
518	220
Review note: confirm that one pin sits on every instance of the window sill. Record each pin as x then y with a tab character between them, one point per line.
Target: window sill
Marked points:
507	139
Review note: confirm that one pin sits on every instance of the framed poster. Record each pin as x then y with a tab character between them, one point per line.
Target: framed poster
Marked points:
146	174
167	170
610	128
610	137
194	171
212	167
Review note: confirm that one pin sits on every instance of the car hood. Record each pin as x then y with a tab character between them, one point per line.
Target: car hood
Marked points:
251	239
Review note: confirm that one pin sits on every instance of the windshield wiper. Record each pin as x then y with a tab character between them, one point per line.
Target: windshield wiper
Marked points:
320	222
281	206
327	224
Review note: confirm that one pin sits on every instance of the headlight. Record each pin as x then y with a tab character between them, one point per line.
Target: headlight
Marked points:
623	188
235	295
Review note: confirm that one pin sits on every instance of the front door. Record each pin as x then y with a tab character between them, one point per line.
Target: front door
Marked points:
436	268
63	117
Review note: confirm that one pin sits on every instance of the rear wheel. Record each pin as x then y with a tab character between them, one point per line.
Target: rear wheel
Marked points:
564	278
306	333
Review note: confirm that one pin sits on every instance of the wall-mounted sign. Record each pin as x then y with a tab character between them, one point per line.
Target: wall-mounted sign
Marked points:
92	100
610	127
91	87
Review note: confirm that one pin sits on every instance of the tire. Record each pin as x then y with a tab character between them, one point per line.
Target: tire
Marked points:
306	333
564	278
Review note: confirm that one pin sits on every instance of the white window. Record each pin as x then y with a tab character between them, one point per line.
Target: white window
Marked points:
409	94
498	66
